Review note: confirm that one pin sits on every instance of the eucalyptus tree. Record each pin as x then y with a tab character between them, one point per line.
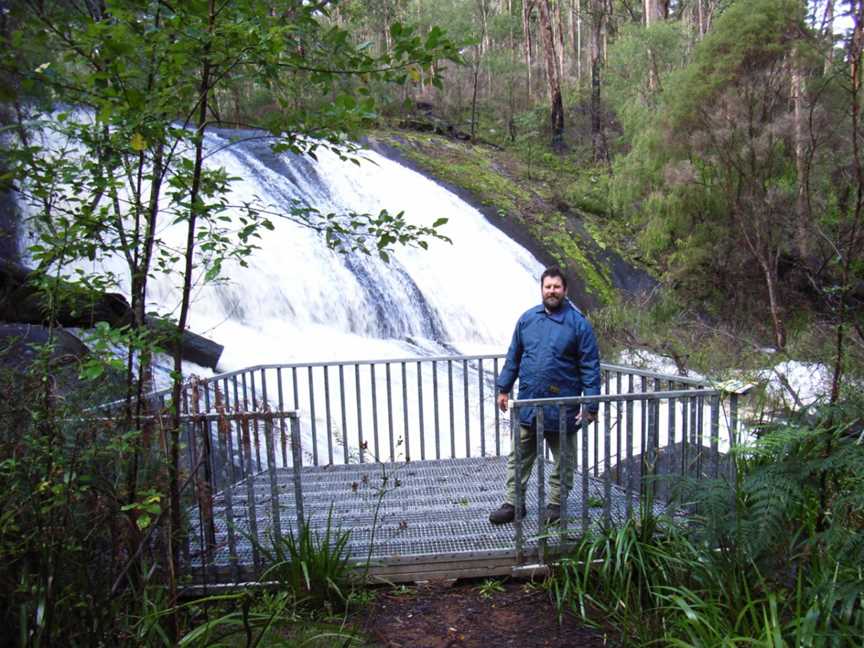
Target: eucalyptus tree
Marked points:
127	91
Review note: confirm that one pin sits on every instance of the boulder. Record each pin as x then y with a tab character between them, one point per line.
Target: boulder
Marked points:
19	344
22	302
668	467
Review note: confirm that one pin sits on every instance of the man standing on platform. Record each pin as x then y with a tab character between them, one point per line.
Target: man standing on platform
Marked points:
554	353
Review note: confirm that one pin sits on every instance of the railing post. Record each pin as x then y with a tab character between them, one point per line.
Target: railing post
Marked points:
328	418
223	430
250	496
564	440
585	469
715	434
205	490
629	441
482	409
733	434
539	439
389	412
377	454
649	453
297	468
311	378
343	412
276	525
516	435
495	409
420	410
467	408
435	409
607	463
282	435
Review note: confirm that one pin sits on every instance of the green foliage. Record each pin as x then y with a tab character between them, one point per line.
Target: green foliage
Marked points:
489	587
640	61
771	560
244	618
589	191
315	567
746	39
61	504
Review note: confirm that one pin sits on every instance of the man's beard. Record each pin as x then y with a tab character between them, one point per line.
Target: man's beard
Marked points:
553	303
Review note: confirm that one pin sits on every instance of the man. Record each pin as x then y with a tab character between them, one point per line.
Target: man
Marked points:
554	353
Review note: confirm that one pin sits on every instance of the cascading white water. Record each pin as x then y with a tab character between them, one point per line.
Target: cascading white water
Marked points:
299	301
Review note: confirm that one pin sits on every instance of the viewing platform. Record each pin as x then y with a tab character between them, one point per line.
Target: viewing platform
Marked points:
409	457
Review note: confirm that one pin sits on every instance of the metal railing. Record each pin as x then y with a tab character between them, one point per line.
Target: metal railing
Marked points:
392	410
266	419
223	477
667	421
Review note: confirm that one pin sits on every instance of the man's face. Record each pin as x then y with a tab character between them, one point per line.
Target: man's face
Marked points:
553	291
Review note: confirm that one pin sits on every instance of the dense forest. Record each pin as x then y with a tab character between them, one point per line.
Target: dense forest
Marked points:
714	144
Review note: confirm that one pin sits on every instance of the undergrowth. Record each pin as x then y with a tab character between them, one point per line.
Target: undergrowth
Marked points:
773	559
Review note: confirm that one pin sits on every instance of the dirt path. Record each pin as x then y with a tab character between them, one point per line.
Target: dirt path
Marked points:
471	615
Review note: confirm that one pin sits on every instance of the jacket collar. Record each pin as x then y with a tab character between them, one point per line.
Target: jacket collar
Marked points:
557	316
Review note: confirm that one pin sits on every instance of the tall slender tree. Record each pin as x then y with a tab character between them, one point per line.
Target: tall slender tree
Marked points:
553	76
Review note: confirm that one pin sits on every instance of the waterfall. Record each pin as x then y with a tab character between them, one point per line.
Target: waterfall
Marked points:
299	301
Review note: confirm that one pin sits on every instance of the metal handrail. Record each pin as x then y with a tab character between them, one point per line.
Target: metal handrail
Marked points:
605	366
277	417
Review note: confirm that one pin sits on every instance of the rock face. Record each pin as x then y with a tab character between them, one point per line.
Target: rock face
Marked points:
669	463
8	225
23	303
19	344
20	347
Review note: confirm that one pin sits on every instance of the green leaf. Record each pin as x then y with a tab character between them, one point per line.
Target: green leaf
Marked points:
138	143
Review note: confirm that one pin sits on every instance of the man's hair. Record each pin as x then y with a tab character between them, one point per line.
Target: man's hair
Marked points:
553	271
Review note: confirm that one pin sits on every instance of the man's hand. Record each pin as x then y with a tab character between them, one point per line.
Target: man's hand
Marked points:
590	417
503	400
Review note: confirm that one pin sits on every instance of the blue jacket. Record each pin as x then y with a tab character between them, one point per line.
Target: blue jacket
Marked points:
554	354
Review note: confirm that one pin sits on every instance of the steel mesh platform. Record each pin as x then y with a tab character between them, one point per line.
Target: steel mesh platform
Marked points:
420	512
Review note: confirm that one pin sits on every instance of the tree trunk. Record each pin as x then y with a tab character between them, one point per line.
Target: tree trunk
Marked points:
553	76
802	212
576	25
651	12
852	244
828	32
653	15
527	6
511	108
770	271
177	386
474	95
598	137
560	33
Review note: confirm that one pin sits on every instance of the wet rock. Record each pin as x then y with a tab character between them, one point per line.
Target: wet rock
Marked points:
22	302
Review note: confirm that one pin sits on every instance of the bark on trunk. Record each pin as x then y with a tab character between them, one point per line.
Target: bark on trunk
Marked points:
651	12
527	6
598	138
770	271
828	31
176	535
576	25
802	233
560	33
553	76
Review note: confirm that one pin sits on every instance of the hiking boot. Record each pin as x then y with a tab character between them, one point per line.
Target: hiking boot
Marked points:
505	514
552	514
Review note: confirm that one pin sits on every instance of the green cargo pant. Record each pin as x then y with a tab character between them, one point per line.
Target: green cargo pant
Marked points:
528	449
